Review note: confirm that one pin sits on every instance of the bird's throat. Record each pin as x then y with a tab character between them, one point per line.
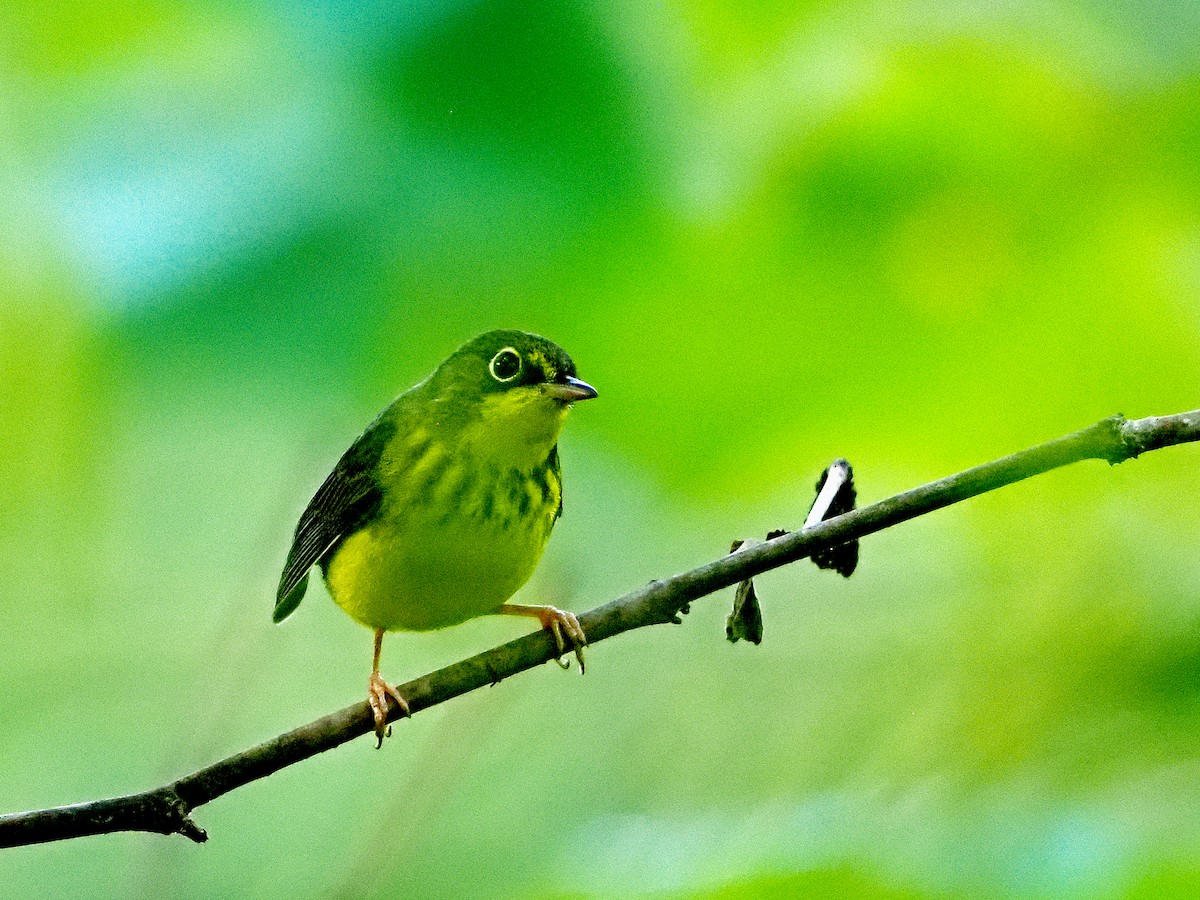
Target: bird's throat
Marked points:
515	430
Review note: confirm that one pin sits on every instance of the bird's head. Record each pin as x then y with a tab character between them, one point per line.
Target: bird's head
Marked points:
515	389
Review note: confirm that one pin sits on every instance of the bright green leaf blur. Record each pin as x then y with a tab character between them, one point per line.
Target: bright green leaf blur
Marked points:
919	235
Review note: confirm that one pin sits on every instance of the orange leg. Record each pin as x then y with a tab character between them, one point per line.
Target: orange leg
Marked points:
378	692
558	622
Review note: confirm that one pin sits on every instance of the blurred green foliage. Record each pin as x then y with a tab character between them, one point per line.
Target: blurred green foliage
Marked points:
919	235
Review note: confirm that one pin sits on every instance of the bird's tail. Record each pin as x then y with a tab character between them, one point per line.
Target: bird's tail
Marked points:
286	605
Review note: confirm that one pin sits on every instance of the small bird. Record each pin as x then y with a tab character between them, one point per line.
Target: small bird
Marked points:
440	510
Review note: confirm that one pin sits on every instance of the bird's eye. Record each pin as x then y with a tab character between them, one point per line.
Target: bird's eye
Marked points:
505	365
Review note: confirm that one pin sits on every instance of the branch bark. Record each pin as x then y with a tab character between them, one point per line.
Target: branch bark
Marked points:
167	809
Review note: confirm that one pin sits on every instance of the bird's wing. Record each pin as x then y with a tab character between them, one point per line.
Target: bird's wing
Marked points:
350	497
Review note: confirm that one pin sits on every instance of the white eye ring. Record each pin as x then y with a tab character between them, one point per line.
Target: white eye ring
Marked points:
496	358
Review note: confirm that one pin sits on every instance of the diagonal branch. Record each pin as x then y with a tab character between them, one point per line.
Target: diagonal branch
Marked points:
166	810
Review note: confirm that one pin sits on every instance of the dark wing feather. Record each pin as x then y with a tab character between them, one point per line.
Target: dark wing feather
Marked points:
349	498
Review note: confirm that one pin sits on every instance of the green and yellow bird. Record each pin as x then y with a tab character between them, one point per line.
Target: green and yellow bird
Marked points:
440	510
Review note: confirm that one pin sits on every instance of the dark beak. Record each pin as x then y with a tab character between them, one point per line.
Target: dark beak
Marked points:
570	390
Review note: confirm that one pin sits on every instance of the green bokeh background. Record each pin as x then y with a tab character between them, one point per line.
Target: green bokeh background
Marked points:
916	234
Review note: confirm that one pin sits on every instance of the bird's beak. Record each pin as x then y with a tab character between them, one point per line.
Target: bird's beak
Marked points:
570	391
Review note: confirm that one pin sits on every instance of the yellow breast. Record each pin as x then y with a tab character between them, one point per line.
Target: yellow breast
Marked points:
455	540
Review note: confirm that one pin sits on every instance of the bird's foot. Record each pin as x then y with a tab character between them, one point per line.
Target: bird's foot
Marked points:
378	692
560	623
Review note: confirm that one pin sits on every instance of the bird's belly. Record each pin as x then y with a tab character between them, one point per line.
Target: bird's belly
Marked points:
416	577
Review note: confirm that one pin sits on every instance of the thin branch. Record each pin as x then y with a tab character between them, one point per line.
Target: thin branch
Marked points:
166	810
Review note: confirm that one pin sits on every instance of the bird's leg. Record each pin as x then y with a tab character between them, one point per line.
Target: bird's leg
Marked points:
378	692
558	622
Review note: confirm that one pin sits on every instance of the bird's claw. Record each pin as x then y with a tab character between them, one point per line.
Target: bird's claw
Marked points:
378	692
558	622
562	625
